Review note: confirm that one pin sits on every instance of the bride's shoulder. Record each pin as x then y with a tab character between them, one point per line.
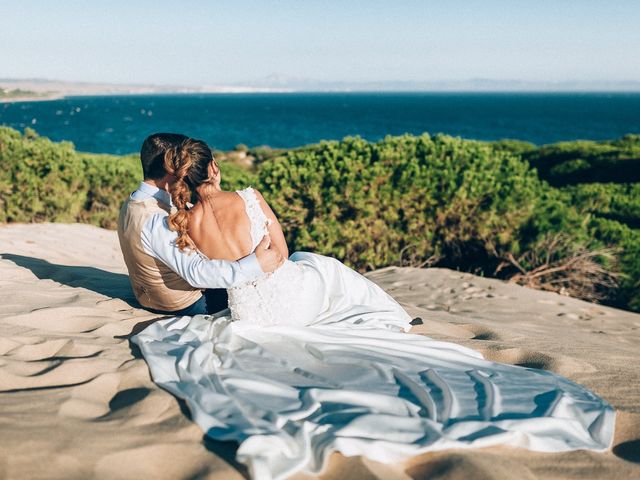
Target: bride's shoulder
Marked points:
247	191
250	193
254	200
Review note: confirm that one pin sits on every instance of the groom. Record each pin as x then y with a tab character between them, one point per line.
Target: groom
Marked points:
164	278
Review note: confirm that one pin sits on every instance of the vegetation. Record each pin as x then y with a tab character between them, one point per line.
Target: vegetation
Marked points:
41	180
570	163
613	213
18	93
407	200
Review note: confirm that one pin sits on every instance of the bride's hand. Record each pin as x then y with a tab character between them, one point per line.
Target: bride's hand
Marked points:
268	258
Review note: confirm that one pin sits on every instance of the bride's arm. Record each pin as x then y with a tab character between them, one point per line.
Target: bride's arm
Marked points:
275	230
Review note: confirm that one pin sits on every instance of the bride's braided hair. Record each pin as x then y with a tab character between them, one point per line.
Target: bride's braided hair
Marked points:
188	163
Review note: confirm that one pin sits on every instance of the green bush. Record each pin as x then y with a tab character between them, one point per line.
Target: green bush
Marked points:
628	240
404	200
45	181
513	146
620	202
39	180
613	213
110	179
236	177
568	163
442	201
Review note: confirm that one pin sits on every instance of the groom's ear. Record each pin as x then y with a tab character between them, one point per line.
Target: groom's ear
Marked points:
169	179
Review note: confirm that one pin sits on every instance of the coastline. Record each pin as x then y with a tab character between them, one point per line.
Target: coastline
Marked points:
42	95
32	99
42	91
39	89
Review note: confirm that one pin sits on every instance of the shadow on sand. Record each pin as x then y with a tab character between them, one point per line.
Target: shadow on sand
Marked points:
114	285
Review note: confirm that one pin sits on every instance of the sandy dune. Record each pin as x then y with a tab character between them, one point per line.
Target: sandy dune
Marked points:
77	402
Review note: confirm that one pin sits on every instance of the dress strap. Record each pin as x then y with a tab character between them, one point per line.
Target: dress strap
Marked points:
257	218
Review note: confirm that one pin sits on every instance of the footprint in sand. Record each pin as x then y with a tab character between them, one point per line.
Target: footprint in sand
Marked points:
480	332
551	302
575	316
525	358
441	324
560	364
592	311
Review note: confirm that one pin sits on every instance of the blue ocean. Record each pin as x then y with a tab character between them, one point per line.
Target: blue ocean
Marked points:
118	124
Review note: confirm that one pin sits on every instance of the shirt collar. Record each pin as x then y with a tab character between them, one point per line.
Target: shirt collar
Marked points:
146	190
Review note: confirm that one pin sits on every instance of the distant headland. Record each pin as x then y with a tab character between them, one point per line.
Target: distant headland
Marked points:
15	90
19	90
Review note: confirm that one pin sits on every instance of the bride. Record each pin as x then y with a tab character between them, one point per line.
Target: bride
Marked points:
230	225
314	358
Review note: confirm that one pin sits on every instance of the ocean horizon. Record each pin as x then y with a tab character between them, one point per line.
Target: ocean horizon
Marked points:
118	124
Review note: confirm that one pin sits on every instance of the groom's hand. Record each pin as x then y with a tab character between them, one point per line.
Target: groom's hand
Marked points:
268	258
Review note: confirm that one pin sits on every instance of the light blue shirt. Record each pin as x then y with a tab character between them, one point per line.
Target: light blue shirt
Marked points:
200	272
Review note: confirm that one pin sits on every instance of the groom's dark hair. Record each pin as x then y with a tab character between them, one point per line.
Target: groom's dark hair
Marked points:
153	150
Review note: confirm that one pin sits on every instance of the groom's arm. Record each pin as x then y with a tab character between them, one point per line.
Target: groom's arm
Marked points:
159	242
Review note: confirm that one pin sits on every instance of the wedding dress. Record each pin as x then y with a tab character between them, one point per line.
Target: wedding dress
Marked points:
314	358
305	287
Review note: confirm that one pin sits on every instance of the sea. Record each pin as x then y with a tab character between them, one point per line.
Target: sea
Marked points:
119	124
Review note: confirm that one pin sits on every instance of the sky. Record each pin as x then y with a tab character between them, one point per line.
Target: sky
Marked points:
219	42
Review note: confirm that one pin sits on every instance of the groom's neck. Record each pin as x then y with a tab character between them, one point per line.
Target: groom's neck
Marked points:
161	184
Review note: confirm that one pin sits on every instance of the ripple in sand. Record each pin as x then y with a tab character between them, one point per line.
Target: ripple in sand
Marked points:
58	373
159	462
76	319
54	348
472	465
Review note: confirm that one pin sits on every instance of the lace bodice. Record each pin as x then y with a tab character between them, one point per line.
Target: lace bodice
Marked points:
269	300
259	221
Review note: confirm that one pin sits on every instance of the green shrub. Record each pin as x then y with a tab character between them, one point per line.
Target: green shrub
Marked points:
613	213
404	200
110	179
517	147
49	181
620	202
39	180
568	163
235	177
628	240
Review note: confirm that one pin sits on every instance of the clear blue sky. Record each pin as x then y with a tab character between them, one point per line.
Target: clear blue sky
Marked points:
215	42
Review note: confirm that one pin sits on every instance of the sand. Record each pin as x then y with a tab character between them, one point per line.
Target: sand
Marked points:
77	401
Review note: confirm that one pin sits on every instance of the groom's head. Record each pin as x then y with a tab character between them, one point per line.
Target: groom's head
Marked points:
152	153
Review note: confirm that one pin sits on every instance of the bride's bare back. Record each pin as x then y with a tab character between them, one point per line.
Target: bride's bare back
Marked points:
220	228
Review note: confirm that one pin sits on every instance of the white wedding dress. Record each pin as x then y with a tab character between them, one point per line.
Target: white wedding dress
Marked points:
314	358
306	288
